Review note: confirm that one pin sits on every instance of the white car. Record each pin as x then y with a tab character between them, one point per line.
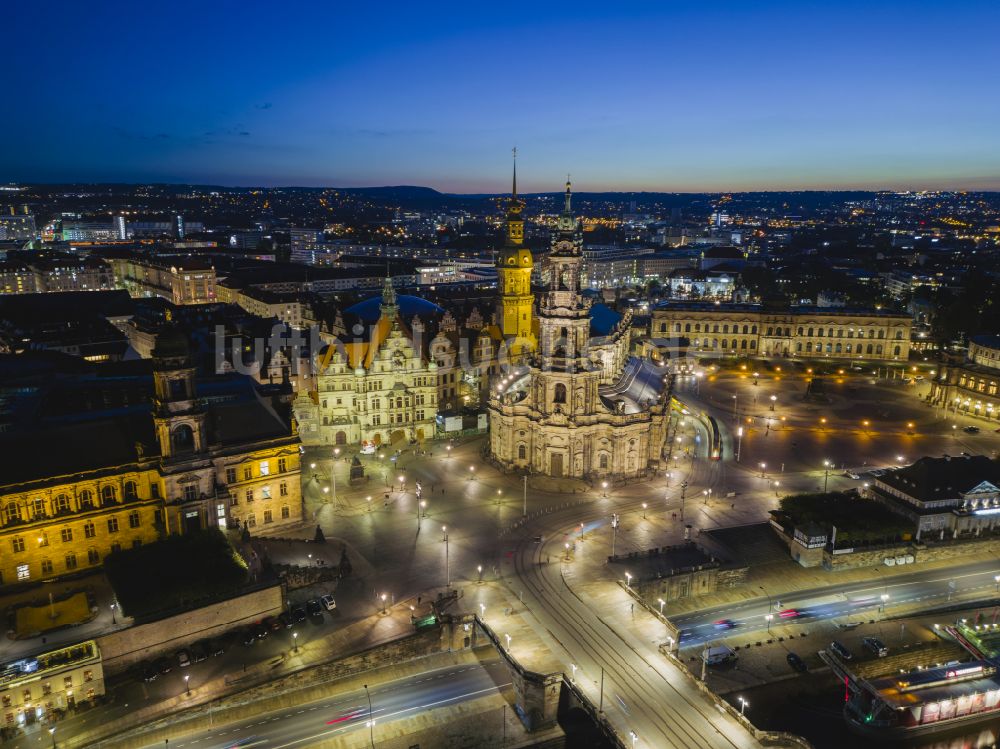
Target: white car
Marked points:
328	603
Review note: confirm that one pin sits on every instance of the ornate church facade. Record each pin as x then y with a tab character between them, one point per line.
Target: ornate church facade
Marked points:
577	405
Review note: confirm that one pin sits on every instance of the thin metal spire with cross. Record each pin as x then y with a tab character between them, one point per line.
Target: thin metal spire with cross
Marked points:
514	154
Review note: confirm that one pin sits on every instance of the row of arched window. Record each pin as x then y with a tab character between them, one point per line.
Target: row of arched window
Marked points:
62	503
725	328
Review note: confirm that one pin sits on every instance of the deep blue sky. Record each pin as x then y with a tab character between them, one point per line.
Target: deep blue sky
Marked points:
625	95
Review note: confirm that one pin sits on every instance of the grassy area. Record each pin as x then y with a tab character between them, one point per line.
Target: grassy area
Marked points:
858	520
176	573
31	620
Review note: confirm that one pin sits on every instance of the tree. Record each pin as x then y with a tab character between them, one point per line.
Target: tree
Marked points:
319	538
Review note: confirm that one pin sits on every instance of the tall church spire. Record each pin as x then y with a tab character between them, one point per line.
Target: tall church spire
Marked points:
515	224
513	191
569	197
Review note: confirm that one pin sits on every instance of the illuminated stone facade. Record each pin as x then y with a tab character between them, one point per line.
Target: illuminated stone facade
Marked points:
971	386
750	330
379	388
122	479
565	411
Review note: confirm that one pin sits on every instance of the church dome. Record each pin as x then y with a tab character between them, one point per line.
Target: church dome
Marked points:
371	309
515	257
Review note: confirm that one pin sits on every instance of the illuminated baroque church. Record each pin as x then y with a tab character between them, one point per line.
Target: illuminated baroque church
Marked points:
573	403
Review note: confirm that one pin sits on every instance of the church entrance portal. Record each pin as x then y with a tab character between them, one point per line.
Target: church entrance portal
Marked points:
556	465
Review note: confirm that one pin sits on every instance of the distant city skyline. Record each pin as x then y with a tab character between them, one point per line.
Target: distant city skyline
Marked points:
680	97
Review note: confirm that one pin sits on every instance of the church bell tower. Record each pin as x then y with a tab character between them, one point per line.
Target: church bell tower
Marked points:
514	265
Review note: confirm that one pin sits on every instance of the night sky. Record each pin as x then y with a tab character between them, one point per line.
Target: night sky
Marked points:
625	96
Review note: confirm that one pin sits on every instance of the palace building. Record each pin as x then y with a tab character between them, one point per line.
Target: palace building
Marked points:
971	386
753	330
148	460
377	387
576	405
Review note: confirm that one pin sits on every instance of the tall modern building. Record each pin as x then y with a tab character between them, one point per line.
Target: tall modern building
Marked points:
121	231
578	406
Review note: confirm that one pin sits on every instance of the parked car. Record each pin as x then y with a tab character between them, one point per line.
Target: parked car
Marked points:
164	665
876	646
273	624
149	672
261	630
285	617
249	637
215	647
314	608
198	653
328	603
853	475
840	650
971	429
298	614
183	658
797	663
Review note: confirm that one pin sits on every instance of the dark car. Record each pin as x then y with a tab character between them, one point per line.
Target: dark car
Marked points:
198	653
971	429
183	658
215	647
298	614
163	665
840	650
149	673
273	624
249	637
314	608
285	617
261	630
876	646
797	663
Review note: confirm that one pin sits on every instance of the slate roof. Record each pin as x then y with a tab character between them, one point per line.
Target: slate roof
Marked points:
936	479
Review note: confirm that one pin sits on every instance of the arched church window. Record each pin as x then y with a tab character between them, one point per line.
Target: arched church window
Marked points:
560	393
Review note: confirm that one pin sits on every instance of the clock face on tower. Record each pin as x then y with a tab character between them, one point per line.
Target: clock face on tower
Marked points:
564	246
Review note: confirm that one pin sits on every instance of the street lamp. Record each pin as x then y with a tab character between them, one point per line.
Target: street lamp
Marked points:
371	719
368	499
644	505
707	493
573	666
826	474
604	486
295	641
762	467
423	507
739	442
661	602
383	597
479	569
996	579
776	485
628	579
114	605
187	683
472	472
769	617
773	399
508	641
567	550
884	597
447	560
482	610
743	704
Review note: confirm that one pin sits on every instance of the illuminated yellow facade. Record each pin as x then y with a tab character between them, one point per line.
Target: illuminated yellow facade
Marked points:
126	481
514	299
